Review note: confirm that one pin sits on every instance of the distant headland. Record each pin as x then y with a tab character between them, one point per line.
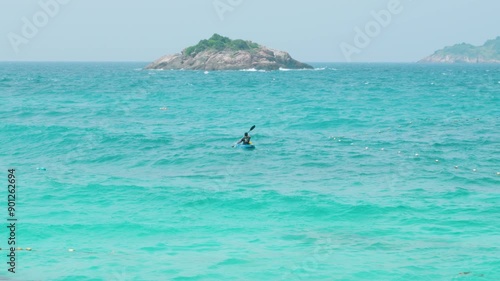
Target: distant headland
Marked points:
222	53
467	53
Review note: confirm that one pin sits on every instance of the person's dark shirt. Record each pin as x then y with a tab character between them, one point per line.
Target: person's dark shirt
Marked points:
245	140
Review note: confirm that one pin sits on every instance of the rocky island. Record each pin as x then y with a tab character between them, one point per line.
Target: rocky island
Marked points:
467	53
222	53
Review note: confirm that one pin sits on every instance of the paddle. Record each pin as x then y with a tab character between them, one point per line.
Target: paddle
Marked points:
251	128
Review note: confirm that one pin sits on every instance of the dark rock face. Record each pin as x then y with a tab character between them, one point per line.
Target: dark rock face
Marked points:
259	58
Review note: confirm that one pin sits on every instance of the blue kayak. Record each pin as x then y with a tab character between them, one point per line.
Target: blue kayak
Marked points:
246	146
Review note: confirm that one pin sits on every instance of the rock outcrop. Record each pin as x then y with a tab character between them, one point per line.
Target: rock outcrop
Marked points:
467	53
222	53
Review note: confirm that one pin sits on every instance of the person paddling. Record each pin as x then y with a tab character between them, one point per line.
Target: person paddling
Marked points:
245	139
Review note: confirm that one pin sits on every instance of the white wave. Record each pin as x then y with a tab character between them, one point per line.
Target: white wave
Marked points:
300	69
249	70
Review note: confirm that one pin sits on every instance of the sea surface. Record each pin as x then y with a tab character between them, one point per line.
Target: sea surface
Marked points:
360	172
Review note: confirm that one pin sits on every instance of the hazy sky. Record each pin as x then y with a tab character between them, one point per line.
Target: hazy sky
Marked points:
312	31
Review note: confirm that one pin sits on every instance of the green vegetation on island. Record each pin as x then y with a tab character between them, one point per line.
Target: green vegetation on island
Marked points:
220	43
467	53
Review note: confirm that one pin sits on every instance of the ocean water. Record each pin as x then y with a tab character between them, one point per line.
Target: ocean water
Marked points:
361	172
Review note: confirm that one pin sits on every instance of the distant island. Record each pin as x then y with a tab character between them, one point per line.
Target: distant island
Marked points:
222	53
467	53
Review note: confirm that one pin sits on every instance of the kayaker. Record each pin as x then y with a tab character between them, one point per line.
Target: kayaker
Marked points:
245	139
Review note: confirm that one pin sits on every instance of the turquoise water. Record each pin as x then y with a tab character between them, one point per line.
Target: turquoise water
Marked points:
361	172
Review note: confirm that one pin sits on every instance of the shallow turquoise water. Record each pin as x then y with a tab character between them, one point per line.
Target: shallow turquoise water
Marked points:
141	181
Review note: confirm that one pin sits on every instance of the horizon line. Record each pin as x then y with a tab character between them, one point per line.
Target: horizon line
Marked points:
133	61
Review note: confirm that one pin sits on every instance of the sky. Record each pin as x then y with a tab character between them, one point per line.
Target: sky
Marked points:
311	31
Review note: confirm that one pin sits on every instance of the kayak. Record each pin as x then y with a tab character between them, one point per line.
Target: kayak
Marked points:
246	146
